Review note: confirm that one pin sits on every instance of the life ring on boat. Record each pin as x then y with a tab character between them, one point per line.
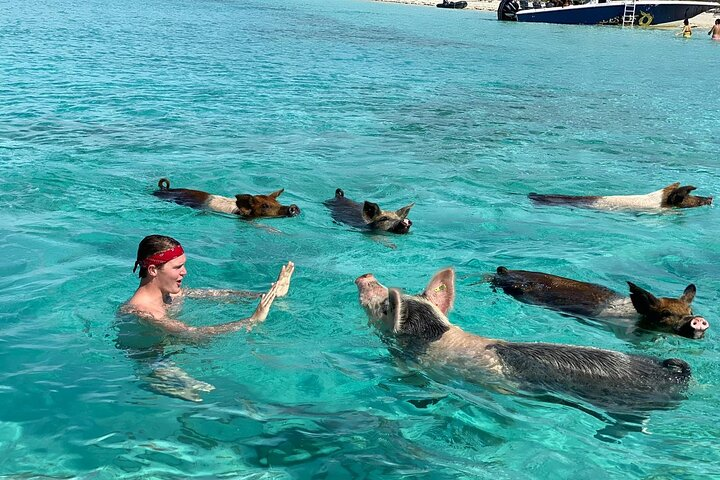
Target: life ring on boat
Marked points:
645	19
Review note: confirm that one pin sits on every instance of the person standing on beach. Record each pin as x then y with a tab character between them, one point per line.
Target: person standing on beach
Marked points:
715	30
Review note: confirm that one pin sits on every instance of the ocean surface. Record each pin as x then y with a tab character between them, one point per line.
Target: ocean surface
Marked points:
452	110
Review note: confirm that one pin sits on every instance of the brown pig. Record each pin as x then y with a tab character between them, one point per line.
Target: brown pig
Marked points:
595	301
245	205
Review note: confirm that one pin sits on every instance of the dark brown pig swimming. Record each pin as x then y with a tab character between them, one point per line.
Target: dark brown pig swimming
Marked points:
420	325
672	196
368	215
595	301
245	205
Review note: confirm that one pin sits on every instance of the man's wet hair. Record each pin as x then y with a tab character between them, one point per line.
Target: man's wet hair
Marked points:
151	245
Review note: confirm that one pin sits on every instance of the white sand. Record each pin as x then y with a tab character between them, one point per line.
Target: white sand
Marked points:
703	21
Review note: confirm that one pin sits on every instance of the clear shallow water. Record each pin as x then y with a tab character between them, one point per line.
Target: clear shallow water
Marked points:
453	110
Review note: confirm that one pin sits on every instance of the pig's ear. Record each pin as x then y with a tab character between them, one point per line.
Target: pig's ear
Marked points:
441	290
243	202
678	195
642	300
689	294
370	211
276	193
394	312
403	212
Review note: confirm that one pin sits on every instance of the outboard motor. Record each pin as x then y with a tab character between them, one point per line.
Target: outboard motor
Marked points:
507	10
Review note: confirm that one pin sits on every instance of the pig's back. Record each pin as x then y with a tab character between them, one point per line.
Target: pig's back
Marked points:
561	293
596	374
345	210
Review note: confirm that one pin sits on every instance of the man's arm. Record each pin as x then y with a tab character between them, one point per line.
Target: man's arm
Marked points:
283	283
212	293
176	327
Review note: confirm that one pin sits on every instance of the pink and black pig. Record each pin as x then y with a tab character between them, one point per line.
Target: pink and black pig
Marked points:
419	324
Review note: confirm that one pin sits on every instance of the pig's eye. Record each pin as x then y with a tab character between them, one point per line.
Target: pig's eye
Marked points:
666	313
265	206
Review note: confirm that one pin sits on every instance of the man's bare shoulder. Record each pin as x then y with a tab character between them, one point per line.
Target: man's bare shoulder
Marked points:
156	317
141	311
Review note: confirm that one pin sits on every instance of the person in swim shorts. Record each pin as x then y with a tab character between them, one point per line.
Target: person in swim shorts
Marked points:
715	30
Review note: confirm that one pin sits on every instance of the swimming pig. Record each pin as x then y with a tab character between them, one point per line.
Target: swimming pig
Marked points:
672	196
420	325
591	300
245	205
368	214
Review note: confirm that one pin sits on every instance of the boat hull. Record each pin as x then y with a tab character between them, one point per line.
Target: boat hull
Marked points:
647	13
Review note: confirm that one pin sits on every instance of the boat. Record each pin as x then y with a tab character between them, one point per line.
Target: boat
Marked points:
643	13
447	4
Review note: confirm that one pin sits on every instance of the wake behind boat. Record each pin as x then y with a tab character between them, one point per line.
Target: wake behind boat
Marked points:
643	13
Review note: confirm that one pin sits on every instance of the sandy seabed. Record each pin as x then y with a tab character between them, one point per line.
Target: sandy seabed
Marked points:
703	21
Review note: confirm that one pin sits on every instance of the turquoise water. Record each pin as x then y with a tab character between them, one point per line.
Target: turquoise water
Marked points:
451	109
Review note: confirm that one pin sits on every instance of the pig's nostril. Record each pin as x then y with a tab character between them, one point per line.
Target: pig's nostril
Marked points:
699	323
294	210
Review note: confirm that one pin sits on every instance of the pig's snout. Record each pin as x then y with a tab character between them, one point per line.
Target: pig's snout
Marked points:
293	210
364	278
699	324
403	226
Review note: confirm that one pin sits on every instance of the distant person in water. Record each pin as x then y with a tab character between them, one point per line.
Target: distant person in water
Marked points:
715	30
162	268
686	30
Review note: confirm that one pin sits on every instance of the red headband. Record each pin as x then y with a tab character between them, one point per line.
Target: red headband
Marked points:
160	257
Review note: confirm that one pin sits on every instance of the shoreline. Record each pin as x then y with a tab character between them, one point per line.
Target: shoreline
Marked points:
703	21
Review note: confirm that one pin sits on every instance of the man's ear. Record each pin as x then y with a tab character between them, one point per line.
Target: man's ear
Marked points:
276	193
152	270
441	290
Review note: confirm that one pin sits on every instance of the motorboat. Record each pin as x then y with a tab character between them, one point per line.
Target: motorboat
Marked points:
643	13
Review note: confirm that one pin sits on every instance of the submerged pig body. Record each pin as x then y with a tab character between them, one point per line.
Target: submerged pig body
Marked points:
672	196
595	301
368	215
420	325
244	205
